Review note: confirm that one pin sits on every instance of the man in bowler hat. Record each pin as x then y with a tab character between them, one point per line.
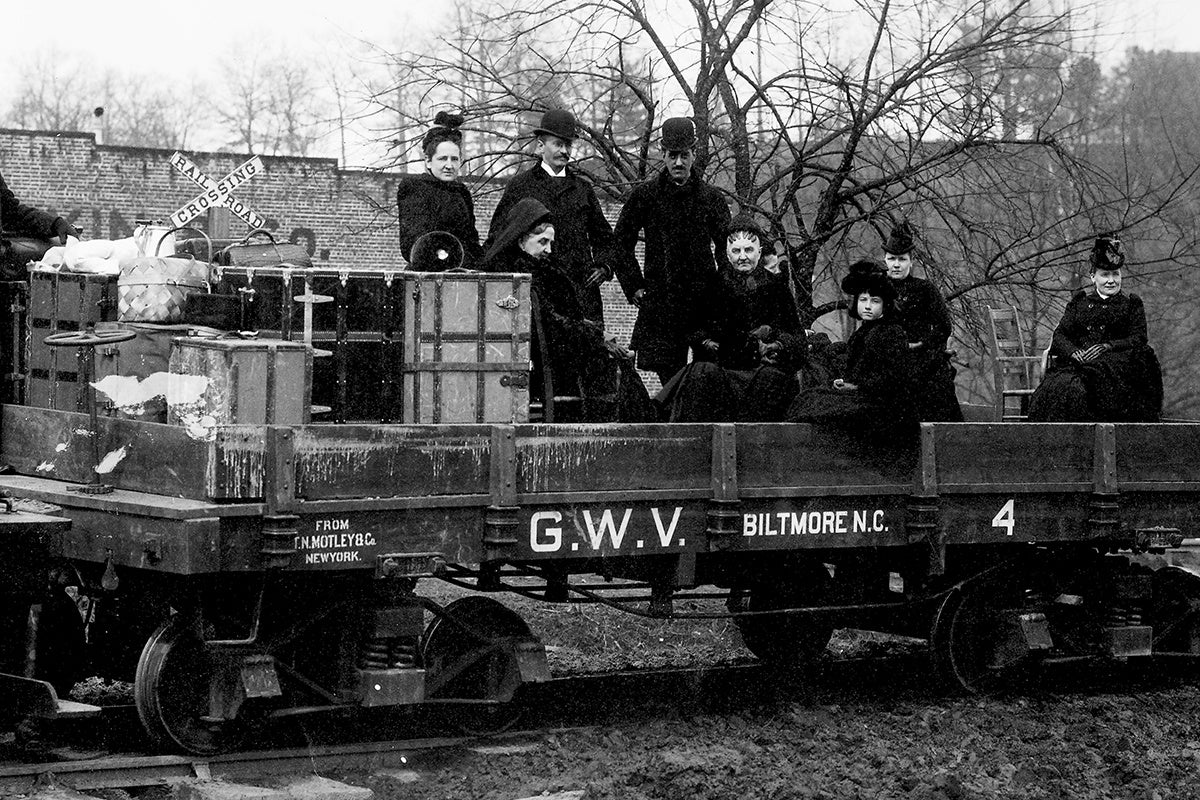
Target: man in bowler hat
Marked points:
582	234
683	220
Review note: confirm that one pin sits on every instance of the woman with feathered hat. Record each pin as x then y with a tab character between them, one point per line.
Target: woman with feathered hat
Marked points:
874	394
1102	367
922	311
437	200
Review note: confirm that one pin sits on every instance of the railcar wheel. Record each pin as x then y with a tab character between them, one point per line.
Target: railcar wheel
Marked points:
965	639
1175	611
788	640
468	663
171	691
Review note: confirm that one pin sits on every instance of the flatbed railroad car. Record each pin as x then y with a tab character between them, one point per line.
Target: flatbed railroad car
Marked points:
272	570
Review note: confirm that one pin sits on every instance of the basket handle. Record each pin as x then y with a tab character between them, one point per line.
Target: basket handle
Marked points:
163	238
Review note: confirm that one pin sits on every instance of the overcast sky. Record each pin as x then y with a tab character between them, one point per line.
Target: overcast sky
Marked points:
178	41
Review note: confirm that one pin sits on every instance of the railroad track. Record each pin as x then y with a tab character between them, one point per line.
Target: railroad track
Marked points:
566	703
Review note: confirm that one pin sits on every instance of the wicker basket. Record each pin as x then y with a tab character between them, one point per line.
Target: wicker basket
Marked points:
155	289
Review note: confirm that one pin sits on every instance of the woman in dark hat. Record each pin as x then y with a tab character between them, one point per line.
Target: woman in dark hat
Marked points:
748	344
922	312
582	360
437	200
1102	367
874	395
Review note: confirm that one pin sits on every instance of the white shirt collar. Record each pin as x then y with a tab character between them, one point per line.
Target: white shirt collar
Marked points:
552	173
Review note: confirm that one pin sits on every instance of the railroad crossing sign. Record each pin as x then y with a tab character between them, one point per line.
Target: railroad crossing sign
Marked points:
217	193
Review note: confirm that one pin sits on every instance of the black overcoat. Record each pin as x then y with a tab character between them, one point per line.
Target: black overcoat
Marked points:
926	320
739	302
684	229
878	362
582	235
1123	385
16	218
425	203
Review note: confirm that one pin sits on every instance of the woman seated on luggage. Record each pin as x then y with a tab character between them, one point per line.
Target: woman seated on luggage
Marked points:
1102	368
747	347
437	200
582	360
874	395
922	311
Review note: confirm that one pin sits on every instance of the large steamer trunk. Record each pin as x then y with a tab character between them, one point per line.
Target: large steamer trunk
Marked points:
61	302
250	381
400	346
353	318
466	347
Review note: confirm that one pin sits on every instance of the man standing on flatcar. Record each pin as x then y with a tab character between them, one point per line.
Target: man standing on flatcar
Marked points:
683	220
18	219
582	234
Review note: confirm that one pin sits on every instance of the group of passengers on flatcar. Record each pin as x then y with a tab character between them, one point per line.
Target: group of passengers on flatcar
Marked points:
702	289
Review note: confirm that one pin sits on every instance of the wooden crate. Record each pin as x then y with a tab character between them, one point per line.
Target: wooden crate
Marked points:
466	347
359	328
61	302
251	381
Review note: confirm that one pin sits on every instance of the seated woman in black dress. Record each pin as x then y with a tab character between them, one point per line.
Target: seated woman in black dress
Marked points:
747	344
1102	368
437	200
922	311
874	396
580	355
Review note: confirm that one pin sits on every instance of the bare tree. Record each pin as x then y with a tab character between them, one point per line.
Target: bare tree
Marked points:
950	115
53	93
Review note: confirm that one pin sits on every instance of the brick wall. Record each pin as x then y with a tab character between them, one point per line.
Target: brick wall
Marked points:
346	218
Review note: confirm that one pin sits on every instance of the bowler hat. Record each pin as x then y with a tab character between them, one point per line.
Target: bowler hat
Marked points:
557	122
901	240
678	133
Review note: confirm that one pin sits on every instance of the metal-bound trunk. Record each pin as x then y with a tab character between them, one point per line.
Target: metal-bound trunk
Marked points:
251	382
60	302
466	347
351	317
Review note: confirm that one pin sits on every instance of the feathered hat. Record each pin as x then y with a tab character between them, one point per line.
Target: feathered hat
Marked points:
1107	253
901	240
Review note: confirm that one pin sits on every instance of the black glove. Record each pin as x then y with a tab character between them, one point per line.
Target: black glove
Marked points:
63	229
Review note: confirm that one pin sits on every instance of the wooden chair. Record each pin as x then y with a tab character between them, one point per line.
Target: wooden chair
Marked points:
551	406
1016	372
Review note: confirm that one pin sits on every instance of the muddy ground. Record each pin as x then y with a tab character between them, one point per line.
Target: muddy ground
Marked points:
848	734
844	734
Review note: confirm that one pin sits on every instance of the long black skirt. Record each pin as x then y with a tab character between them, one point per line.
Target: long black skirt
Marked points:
1123	386
706	392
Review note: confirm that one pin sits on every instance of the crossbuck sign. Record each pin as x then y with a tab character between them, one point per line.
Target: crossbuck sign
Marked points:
217	193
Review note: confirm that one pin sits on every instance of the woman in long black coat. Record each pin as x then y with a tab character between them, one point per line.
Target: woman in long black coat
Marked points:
922	311
437	200
580	356
875	395
1102	367
747	346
